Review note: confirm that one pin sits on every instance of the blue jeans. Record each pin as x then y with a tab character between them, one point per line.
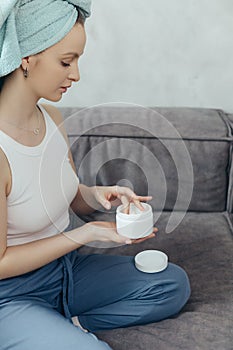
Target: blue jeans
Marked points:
104	291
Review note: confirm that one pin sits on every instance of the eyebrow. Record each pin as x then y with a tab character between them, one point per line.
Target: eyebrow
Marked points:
75	54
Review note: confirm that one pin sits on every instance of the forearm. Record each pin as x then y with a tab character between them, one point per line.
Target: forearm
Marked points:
84	202
27	257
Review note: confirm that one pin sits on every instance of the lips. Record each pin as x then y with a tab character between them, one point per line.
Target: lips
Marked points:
65	88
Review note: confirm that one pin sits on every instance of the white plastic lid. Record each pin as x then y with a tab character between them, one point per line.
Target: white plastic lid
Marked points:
151	261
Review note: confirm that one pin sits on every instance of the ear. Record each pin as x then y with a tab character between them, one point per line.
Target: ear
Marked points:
25	62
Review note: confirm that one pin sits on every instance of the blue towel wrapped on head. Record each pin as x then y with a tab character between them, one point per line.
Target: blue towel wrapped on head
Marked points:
28	27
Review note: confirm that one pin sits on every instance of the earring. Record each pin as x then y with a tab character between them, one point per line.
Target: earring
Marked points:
25	73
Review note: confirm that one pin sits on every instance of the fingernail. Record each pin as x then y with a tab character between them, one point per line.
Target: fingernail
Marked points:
128	241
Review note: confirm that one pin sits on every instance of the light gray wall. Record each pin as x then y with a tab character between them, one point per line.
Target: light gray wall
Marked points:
157	53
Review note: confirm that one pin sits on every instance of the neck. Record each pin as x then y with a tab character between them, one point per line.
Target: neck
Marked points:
17	102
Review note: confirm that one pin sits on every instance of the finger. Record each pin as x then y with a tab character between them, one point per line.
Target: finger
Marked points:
152	235
100	197
126	191
125	203
144	198
138	199
139	240
106	204
138	204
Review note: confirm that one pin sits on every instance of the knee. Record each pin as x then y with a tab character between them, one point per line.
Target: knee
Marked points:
182	290
174	293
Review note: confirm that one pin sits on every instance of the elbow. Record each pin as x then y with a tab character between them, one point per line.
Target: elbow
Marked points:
2	270
4	273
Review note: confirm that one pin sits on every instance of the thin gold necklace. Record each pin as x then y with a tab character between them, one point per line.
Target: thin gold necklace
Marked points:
35	131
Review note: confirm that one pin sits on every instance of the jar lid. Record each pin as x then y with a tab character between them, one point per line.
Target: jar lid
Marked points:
151	261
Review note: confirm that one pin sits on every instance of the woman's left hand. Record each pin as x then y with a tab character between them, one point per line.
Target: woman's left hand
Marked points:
109	196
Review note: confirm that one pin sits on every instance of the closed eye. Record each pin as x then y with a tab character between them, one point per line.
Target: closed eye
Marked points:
65	64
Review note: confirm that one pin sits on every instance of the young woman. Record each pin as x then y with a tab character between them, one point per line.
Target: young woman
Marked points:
44	281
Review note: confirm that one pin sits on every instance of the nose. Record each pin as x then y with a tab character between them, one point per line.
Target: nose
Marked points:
74	73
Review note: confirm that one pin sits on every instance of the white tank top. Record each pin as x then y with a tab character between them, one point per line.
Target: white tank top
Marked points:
43	186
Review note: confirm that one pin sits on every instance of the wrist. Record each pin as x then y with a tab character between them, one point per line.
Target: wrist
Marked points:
79	236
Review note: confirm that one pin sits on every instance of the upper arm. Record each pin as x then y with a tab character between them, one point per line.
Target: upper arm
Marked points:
57	117
3	202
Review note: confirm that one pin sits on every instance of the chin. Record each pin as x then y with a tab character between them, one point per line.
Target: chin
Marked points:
53	98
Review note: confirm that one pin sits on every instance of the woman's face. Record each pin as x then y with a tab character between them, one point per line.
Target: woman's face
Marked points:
56	68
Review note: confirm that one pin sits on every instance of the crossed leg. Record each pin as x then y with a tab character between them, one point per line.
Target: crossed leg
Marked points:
109	292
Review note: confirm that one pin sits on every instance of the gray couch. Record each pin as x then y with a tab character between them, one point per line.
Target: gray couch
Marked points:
183	158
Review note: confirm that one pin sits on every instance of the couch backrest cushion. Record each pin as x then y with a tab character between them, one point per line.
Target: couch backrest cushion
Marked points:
180	156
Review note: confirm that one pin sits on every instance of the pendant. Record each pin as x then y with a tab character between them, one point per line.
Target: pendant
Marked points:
36	131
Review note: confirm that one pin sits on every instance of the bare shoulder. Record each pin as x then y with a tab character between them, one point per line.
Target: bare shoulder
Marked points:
57	117
54	113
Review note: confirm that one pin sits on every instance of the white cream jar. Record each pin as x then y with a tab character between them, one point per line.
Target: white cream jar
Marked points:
137	223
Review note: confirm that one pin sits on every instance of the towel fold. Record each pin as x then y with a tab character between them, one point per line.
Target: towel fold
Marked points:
28	27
